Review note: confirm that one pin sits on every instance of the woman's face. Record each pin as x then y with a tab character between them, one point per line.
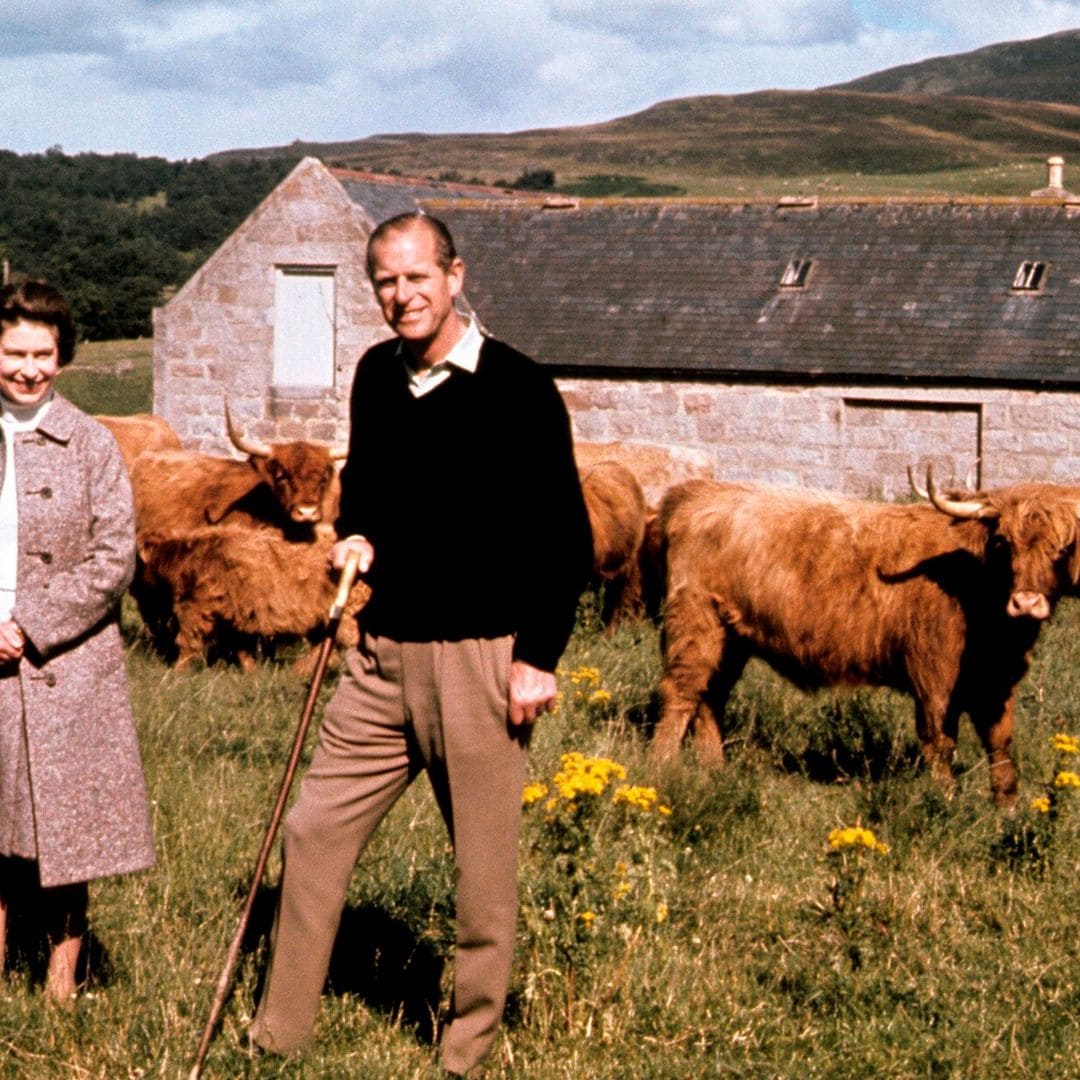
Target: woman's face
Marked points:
29	361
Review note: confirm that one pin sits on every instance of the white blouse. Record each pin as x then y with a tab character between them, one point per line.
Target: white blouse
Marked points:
13	418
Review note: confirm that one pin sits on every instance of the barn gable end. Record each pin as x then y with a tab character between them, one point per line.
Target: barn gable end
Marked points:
216	337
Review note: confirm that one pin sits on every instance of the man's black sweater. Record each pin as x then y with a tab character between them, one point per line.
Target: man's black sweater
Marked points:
470	497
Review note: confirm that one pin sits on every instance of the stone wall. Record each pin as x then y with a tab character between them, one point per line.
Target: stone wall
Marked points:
859	440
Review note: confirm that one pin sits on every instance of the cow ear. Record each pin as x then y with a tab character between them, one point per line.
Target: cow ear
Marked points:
1074	561
222	501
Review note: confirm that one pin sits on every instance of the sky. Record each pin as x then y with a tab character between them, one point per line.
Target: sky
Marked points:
184	78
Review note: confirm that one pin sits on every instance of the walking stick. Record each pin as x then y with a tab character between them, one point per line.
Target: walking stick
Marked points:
225	980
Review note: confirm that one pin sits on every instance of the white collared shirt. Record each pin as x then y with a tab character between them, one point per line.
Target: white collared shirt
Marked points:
464	355
13	419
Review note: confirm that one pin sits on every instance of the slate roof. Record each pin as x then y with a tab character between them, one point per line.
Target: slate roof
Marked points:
897	290
383	196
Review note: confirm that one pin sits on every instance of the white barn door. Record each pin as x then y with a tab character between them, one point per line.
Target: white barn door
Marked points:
303	327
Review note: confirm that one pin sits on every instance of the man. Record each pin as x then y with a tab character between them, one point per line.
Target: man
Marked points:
461	497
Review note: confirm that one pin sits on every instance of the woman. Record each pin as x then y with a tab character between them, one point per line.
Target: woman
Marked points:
72	794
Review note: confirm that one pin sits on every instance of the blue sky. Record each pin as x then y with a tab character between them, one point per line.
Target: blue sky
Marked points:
184	78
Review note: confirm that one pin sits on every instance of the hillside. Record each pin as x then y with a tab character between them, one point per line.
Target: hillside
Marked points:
979	123
718	144
1041	69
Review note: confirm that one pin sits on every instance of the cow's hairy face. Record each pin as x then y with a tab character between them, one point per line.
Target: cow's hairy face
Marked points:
1034	542
299	474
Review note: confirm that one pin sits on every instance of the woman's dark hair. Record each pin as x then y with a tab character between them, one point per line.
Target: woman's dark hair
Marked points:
39	302
445	252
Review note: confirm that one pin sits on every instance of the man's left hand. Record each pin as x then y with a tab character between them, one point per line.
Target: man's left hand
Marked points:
532	692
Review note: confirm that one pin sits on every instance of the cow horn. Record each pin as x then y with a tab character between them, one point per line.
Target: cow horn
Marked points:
921	492
245	446
972	475
956	508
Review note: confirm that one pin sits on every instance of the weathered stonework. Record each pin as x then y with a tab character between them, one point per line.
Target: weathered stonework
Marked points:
854	439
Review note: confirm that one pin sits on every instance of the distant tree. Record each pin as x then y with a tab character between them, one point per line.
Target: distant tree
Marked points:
610	185
118	233
535	180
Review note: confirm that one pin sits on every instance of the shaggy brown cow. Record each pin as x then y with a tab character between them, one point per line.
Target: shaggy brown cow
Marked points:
220	590
944	602
291	486
142	431
617	514
656	468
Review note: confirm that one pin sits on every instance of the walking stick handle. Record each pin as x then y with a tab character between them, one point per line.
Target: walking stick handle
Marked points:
224	983
345	584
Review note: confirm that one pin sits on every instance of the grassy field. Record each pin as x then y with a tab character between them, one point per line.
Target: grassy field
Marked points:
112	377
720	938
697	923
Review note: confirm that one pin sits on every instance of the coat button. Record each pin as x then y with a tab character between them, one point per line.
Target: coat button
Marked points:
50	679
46	492
46	557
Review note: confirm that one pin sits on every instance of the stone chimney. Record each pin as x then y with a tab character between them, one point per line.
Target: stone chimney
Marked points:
1055	180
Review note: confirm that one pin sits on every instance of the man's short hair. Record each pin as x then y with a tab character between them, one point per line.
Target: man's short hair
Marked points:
445	252
39	302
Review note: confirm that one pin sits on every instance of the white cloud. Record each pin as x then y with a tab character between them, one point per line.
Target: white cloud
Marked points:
179	26
183	78
961	26
655	25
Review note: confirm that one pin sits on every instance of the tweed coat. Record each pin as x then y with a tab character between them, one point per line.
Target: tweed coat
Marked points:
76	557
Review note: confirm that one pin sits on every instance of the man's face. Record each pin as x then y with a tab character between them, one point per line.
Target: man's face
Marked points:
415	293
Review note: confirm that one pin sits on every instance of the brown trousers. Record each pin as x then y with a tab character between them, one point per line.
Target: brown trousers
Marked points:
399	708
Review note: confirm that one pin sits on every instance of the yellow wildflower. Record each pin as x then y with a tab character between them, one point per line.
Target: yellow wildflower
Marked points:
1065	744
622	888
1065	778
664	810
580	775
585	675
855	836
1041	805
600	697
588	918
533	793
644	798
661	912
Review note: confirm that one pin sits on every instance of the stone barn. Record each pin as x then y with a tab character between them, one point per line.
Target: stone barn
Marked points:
829	342
278	316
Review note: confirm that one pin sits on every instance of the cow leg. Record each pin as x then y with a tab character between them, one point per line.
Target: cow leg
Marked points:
693	642
708	727
625	596
194	623
936	726
994	724
611	610
305	665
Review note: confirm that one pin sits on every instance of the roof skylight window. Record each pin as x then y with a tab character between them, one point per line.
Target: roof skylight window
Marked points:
1029	276
796	273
